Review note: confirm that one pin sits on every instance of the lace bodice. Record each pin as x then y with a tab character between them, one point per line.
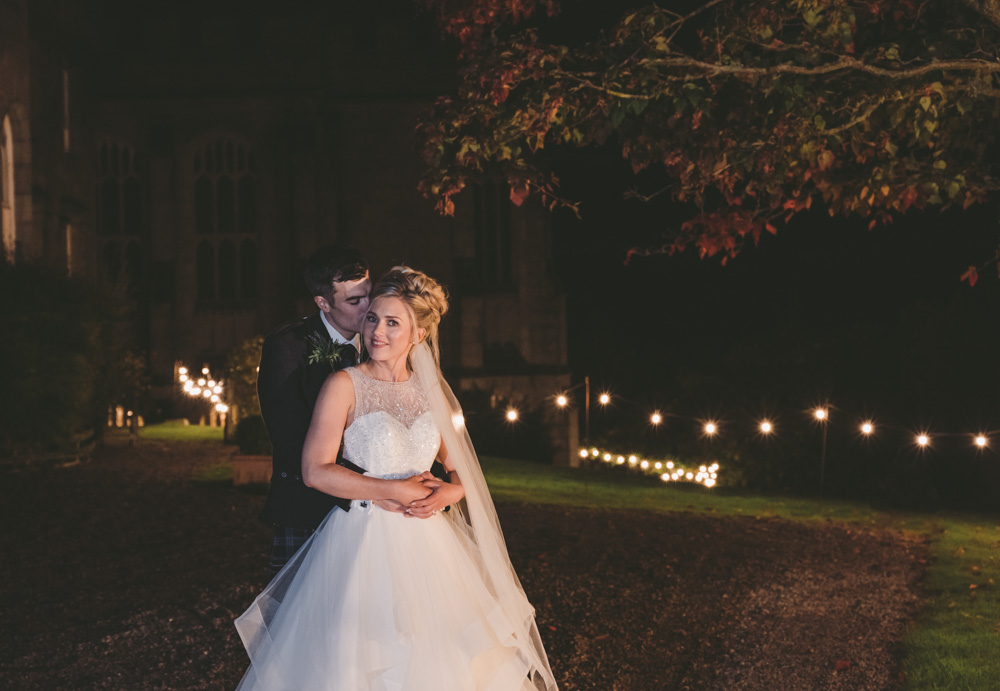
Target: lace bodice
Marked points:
393	434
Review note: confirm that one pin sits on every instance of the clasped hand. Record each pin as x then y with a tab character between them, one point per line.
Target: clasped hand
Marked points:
422	496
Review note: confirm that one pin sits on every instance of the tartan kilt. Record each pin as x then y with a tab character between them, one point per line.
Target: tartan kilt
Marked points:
286	542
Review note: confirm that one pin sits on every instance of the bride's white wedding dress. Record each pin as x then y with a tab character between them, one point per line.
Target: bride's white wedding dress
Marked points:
378	601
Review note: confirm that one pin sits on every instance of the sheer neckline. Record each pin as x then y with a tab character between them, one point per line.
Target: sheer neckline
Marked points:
384	381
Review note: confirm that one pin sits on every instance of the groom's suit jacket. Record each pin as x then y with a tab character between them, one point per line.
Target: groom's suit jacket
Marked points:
287	386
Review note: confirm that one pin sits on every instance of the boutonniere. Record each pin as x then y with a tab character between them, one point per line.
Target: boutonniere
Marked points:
325	350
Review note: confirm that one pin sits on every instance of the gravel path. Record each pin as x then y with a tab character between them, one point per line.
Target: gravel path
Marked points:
123	574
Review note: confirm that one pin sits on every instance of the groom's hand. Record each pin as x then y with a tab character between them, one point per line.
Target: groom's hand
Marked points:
443	494
390	505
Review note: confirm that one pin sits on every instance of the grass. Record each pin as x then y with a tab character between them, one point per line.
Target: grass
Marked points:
178	430
955	640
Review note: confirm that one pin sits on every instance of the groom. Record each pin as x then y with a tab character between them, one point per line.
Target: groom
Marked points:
295	361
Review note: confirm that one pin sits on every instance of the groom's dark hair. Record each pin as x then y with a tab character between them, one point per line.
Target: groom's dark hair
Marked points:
333	264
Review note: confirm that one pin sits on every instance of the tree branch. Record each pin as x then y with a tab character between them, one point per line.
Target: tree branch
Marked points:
842	64
989	9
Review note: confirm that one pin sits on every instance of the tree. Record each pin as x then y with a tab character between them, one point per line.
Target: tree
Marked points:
752	112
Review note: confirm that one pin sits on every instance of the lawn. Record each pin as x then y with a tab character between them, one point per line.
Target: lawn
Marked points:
955	641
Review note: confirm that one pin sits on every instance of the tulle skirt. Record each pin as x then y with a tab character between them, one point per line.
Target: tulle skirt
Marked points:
377	601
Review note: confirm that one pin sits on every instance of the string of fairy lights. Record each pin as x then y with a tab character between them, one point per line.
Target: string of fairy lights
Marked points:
204	387
707	475
766	427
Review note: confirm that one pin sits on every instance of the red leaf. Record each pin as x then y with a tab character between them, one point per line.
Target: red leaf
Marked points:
972	275
842	666
518	194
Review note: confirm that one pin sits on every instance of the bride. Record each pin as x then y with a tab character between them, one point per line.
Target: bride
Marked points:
376	600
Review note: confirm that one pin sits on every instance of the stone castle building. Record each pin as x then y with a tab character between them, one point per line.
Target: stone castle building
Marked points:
201	151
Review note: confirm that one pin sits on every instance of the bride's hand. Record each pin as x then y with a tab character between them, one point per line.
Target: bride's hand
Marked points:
410	490
390	505
444	494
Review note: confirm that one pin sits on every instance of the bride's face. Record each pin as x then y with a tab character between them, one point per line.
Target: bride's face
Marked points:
388	330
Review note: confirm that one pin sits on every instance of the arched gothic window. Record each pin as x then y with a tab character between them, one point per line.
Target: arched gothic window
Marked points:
119	212
225	191
7	215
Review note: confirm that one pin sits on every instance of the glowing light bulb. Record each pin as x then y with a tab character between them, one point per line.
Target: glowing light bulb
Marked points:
211	383
821	414
604	399
607	457
657	465
207	393
690	476
710	428
183	377
511	414
981	441
766	427
204	370
620	460
196	391
923	440
665	477
644	465
709	482
583	453
217	389
182	370
595	453
867	427
188	385
215	398
632	459
201	382
561	401
655	418
222	407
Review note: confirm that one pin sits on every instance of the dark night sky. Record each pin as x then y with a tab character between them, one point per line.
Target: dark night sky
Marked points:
874	320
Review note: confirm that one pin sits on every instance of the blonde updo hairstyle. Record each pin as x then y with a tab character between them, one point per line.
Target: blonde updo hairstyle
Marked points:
425	298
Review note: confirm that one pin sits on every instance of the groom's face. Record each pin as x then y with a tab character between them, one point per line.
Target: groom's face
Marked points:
348	305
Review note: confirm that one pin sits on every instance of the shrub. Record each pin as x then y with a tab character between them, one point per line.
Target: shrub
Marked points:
528	438
251	436
63	345
241	377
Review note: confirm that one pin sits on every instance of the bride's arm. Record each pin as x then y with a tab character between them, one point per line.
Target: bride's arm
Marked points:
444	494
319	455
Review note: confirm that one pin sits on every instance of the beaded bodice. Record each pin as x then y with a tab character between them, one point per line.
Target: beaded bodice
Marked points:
393	434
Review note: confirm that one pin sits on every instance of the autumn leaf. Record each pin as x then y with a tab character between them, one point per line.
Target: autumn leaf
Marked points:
518	193
842	666
972	275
